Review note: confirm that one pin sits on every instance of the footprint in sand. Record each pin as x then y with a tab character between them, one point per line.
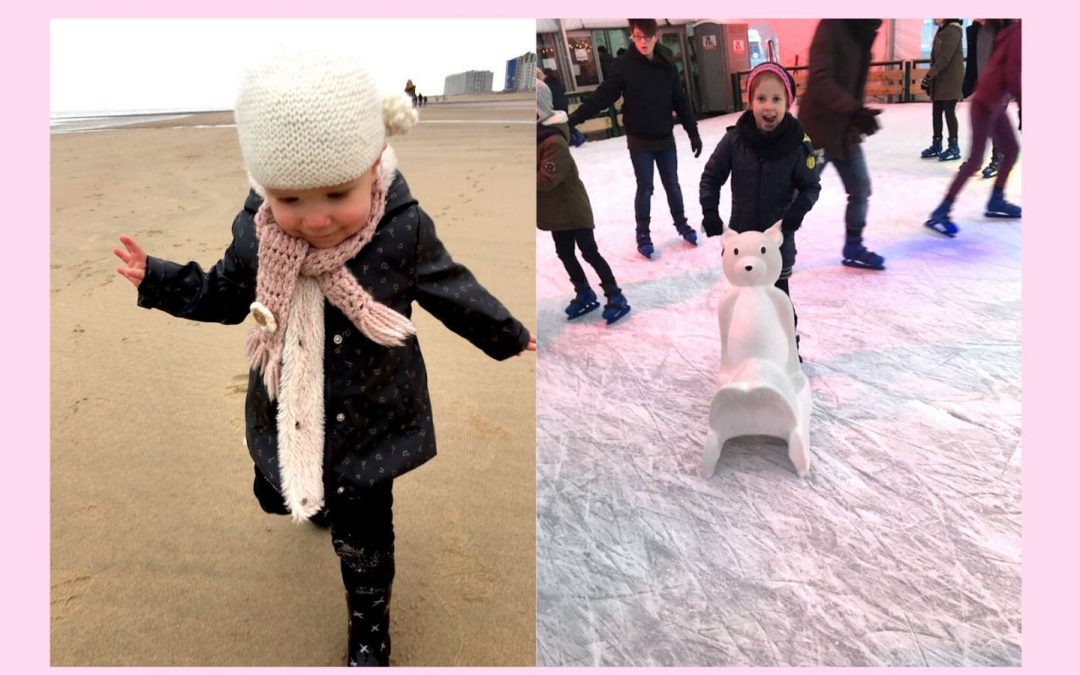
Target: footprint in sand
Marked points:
66	591
240	385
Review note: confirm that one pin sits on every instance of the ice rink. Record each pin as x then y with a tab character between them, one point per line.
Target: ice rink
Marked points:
902	547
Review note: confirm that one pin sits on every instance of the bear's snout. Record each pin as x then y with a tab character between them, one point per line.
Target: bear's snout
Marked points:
749	268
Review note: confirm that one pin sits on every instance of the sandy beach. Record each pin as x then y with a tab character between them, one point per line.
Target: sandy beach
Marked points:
160	554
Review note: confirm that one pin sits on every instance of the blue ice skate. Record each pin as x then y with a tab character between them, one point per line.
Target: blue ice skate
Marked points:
997	207
616	308
584	303
951	152
644	243
856	255
939	220
686	232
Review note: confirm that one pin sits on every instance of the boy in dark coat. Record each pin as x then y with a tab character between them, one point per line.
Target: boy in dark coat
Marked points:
773	168
648	82
832	112
328	258
562	208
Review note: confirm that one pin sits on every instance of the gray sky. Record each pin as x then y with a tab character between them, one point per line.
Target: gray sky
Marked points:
123	65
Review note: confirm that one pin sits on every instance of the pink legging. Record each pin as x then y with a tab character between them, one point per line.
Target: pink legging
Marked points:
987	123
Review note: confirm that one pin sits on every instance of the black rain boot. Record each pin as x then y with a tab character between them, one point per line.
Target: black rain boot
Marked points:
369	627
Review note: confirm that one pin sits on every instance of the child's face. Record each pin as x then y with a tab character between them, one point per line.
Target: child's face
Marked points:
769	103
326	216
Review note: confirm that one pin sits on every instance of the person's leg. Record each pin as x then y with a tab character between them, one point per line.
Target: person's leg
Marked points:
564	248
617	305
980	127
362	532
937	110
584	297
643	174
950	120
935	144
667	163
1005	140
952	150
939	220
1002	130
586	241
855	176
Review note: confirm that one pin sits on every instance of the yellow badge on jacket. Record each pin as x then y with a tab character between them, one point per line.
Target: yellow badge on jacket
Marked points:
811	160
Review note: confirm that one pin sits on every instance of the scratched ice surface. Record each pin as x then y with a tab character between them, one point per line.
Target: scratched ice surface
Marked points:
902	547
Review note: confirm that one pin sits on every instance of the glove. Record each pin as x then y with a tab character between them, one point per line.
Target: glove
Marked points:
926	83
695	145
713	224
865	120
790	223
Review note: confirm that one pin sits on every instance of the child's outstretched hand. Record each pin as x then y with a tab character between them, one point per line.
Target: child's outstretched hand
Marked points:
134	258
531	347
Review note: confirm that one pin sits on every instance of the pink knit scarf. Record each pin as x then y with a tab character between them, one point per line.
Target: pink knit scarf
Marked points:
283	258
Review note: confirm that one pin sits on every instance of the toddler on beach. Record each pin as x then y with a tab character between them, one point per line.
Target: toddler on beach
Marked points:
328	255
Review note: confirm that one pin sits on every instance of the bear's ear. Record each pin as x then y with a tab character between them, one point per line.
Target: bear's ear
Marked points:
775	234
727	239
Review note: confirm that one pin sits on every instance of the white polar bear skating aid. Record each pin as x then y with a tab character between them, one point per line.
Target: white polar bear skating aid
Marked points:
763	390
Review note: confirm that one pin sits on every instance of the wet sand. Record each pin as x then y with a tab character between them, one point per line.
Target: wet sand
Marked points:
160	554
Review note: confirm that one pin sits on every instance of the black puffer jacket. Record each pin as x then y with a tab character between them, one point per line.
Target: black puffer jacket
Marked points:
650	89
773	177
378	414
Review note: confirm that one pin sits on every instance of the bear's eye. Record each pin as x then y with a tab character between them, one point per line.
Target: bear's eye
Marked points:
762	249
736	251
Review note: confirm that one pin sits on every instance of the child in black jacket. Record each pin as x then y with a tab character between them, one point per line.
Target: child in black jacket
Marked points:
774	172
328	258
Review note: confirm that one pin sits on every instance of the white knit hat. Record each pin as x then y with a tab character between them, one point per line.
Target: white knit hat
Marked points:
314	118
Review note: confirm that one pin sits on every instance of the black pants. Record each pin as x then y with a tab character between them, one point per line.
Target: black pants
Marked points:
948	109
362	532
583	238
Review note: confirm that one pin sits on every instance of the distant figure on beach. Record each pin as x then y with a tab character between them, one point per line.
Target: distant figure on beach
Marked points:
328	255
410	89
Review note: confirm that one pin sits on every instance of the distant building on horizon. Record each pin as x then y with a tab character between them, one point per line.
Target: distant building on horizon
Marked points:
521	73
469	82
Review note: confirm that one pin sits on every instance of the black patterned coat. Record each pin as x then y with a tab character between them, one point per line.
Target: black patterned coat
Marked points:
378	421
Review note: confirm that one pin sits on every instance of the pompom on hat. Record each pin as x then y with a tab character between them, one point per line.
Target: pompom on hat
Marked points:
545	106
314	118
776	70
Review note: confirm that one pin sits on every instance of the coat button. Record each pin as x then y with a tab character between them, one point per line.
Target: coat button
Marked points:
337	339
341	490
340	417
